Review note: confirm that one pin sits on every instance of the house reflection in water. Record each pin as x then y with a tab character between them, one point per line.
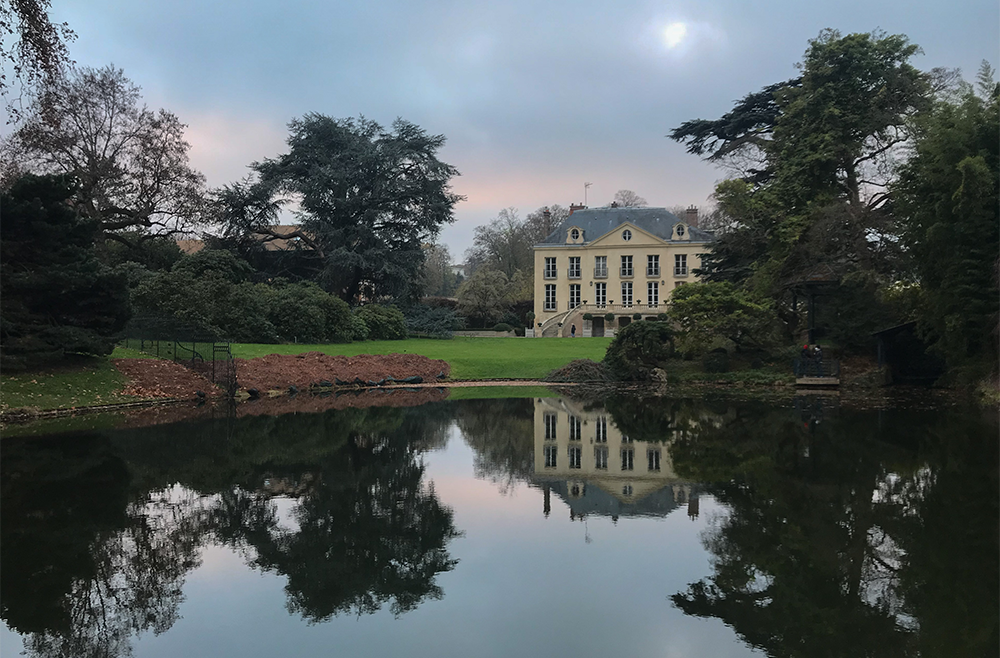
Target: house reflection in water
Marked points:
582	457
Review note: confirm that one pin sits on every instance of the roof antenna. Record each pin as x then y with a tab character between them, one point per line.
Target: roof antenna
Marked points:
585	187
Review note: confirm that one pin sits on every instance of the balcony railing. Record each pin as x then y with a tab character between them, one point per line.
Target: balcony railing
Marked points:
600	272
573	273
652	271
680	271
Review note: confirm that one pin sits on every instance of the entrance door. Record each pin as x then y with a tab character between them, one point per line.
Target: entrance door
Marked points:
597	327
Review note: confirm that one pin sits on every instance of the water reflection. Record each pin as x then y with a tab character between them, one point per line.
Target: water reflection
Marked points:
841	532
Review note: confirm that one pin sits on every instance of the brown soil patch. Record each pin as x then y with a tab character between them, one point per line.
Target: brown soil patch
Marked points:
154	378
278	372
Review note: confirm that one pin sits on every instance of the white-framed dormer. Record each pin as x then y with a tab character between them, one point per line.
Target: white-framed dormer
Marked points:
681	233
574	235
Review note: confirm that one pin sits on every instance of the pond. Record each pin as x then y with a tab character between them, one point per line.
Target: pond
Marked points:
558	526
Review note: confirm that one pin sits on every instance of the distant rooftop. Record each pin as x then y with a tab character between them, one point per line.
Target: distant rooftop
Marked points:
595	222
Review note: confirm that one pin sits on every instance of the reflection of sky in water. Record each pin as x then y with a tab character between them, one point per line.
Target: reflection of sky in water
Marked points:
524	585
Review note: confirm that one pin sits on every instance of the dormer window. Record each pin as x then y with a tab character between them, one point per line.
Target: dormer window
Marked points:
680	230
574	234
626	235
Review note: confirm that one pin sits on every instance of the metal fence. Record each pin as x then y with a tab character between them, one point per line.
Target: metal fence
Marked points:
195	347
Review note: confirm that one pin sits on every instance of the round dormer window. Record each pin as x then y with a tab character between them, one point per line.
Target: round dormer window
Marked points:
680	230
575	234
626	235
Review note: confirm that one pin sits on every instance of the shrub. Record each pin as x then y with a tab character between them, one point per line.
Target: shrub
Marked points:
437	321
581	370
638	349
588	316
609	317
715	361
637	316
502	327
662	317
383	322
530	318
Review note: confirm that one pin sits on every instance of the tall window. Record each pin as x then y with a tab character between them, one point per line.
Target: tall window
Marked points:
574	267
550	296
574	295
626	266
628	459
550	268
653	457
680	264
574	456
627	293
550	456
601	430
652	265
653	293
600	294
601	458
574	428
600	267
550	427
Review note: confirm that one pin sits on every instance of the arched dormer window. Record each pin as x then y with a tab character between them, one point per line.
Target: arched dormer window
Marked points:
680	230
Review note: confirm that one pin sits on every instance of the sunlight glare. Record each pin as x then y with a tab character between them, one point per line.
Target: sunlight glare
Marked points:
674	34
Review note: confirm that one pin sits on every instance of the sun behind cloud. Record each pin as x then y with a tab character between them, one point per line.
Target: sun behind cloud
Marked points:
674	34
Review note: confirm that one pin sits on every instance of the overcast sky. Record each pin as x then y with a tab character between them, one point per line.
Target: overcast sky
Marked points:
535	97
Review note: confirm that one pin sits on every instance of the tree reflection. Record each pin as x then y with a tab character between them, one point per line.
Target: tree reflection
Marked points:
501	432
847	539
85	568
370	533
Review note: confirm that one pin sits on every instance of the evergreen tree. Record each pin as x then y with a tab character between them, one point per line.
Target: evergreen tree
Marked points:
57	297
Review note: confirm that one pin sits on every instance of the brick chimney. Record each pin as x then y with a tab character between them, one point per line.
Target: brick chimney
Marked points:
691	216
573	207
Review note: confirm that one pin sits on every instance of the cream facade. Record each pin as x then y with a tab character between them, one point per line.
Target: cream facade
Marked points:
612	260
577	449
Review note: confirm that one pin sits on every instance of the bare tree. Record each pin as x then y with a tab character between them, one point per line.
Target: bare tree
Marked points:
38	56
131	162
543	221
502	245
628	199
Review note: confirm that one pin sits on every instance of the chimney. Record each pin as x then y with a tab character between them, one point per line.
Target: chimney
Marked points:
573	207
547	216
691	216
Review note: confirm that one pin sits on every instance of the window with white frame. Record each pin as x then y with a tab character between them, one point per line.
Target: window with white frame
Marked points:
550	297
600	267
680	264
600	294
575	453
550	268
574	295
626	293
601	458
653	458
626	269
627	490
574	267
652	265
653	293
550	453
601	429
550	426
574	428
628	459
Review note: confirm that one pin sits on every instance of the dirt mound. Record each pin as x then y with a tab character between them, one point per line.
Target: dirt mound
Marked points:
279	372
155	378
581	370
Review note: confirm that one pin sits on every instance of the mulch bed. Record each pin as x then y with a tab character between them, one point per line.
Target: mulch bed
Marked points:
153	378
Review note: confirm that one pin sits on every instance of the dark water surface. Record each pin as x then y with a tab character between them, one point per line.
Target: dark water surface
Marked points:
509	527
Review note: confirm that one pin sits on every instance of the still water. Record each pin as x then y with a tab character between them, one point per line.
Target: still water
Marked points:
544	526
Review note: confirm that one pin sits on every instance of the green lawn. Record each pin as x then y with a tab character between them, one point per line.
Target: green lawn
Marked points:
470	358
82	383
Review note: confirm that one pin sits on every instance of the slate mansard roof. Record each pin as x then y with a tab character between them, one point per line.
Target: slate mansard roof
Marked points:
596	222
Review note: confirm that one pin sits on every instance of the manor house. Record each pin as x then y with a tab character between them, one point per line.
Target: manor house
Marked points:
619	261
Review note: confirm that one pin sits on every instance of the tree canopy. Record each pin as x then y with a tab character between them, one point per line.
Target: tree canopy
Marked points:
368	198
131	163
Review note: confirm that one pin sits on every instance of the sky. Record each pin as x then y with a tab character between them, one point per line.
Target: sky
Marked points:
535	98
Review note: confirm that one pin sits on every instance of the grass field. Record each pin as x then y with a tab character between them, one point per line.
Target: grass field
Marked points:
470	358
83	383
